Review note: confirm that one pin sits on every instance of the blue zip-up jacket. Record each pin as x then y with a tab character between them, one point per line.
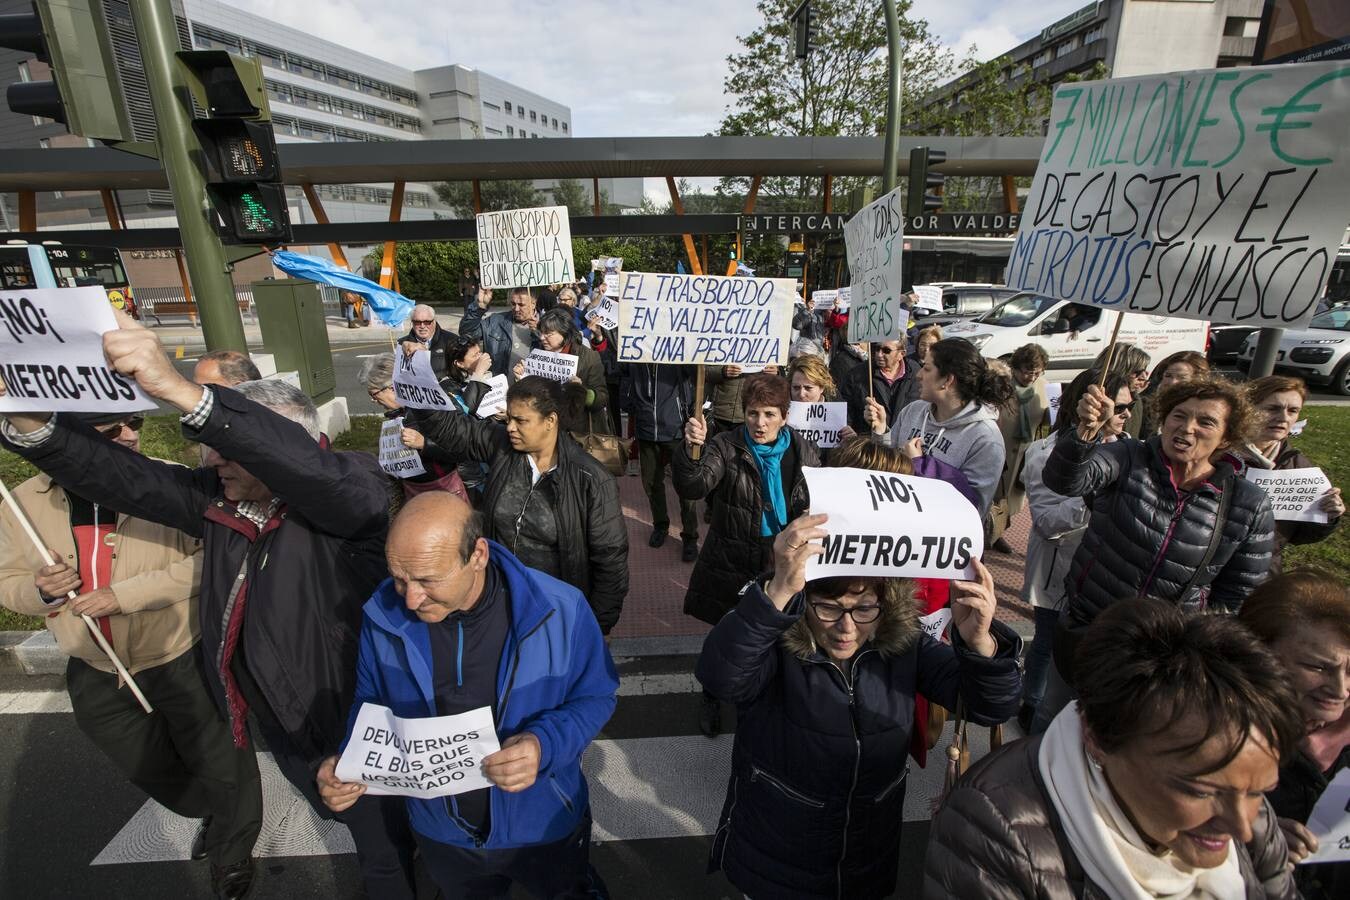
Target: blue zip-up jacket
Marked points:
555	680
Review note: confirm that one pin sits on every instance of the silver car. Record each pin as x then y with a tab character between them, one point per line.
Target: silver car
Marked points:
1319	354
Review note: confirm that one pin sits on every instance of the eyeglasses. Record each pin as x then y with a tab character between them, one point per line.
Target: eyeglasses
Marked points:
1032	374
886	351
115	428
1123	408
829	613
424	321
375	393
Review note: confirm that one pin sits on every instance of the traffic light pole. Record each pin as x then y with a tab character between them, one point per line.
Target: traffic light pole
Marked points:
179	151
889	173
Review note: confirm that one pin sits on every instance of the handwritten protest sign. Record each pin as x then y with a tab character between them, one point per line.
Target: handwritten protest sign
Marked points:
524	247
613	267
844	299
935	624
1293	493
51	353
1297	427
705	319
930	297
872	239
1054	392
550	365
818	422
432	757
415	383
606	312
1330	821
892	526
823	300
494	401
396	459
1216	195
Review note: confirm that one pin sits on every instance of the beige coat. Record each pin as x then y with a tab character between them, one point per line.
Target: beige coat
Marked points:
155	575
1011	495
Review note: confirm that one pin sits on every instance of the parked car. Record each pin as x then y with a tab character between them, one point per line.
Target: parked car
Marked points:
1319	354
1225	342
965	301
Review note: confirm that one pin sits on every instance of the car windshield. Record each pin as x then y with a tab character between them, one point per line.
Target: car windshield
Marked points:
1334	319
1017	310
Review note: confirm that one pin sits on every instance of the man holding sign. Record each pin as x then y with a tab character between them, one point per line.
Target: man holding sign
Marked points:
464	626
507	337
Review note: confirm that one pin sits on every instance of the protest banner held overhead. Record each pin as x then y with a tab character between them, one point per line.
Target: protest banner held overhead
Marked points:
820	423
705	319
843	299
550	365
415	383
395	458
1215	195
437	756
1294	493
51	353
873	241
892	526
606	312
524	247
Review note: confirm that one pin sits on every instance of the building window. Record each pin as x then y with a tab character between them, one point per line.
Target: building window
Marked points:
522	134
510	132
496	131
1095	34
507	106
45	143
1066	48
564	128
492	106
533	117
1042	58
1241	27
520	112
555	124
534	134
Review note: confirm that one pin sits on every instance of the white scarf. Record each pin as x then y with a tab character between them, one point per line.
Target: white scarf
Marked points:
1108	847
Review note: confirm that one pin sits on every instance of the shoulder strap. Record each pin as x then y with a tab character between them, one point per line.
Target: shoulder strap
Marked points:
1215	537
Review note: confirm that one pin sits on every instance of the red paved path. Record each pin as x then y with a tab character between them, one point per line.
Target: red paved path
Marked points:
657	580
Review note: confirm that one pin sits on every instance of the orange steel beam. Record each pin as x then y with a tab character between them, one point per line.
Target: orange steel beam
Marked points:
595	195
694	266
110	210
477	198
187	285
749	208
27	211
1009	194
387	275
829	189
316	205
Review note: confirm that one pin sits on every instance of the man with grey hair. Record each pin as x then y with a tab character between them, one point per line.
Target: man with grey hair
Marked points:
507	337
427	334
225	367
293	539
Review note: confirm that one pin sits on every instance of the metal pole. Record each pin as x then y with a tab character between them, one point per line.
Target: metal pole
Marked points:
891	165
1263	360
179	153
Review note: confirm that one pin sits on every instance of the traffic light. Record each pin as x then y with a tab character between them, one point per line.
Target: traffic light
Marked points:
85	94
731	254
925	185
238	144
806	31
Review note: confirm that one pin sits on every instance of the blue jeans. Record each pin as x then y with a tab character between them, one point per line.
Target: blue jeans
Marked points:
1038	656
349	312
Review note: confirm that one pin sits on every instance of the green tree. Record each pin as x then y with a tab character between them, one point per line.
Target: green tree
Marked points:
503	194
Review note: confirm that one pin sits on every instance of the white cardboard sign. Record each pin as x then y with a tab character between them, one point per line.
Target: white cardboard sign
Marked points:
818	422
1215	195
1293	493
396	459
935	623
823	300
892	526
844	299
607	311
51	353
494	401
525	247
1054	392
550	365
706	319
873	239
1330	821
433	757
930	297
415	383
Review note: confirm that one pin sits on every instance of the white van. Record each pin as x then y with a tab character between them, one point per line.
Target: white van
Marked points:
1073	333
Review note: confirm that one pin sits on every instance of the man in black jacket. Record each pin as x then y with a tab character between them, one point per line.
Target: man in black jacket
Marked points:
658	400
427	334
894	384
294	536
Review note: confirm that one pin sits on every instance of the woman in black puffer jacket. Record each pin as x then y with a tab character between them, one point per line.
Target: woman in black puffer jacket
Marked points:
1154	513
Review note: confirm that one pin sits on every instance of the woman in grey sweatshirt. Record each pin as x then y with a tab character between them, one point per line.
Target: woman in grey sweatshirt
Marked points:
954	420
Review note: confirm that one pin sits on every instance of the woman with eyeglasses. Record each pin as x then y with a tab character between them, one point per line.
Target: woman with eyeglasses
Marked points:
824	675
558	334
1172	517
1133	363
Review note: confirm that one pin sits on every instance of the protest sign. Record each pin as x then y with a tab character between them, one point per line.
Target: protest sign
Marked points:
892	526
930	297
818	422
935	624
1293	493
1054	392
432	757
1215	195
613	265
494	401
525	247
51	353
872	239
396	459
823	300
550	365
705	319
1330	821
843	299
607	262
415	383
607	311
1297	428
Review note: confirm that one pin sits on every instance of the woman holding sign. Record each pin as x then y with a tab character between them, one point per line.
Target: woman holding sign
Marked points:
824	675
1304	618
441	470
1278	401
558	334
752	478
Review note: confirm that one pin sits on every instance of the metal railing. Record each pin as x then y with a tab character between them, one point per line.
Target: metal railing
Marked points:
162	304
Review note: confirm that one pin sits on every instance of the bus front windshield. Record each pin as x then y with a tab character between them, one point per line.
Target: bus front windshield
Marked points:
1017	310
78	268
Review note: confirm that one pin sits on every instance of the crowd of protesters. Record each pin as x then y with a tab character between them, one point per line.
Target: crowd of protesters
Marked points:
1183	700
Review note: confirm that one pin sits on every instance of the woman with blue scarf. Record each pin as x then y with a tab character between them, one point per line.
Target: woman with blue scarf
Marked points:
752	479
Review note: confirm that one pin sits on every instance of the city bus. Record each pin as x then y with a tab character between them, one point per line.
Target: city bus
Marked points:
57	265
